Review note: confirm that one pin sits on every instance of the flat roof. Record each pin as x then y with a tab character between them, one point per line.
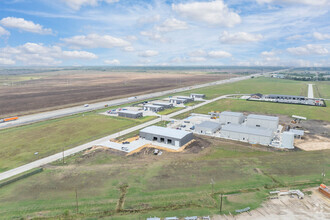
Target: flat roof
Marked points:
247	130
295	96
153	106
168	132
209	124
129	112
297	132
162	103
227	113
183	97
262	117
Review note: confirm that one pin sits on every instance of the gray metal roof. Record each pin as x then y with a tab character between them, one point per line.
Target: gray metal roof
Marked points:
209	124
183	97
129	112
236	114
293	96
297	132
162	103
247	130
168	132
153	106
262	117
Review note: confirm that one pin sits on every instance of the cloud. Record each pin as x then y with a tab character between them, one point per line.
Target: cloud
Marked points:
304	2
294	37
219	54
319	36
309	49
21	24
197	53
112	62
214	13
77	4
38	54
268	53
149	53
172	24
148	19
197	59
95	41
154	36
3	32
129	49
239	37
6	61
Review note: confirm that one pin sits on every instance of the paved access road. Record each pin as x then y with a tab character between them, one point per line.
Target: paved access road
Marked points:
28	119
310	91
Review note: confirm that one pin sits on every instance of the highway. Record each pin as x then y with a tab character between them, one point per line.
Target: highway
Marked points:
28	119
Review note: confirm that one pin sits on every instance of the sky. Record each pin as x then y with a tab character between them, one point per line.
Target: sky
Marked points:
165	33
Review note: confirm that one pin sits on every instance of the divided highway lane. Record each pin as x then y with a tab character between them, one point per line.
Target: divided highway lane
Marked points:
46	160
28	119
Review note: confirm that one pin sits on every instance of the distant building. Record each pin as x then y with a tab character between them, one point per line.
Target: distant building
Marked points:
262	121
171	136
197	96
207	127
181	99
231	117
153	108
287	140
247	134
163	104
153	218
130	114
287	97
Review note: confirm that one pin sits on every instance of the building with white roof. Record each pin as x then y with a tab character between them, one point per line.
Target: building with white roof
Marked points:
130	114
197	96
243	133
164	104
207	127
171	136
231	117
153	108
262	121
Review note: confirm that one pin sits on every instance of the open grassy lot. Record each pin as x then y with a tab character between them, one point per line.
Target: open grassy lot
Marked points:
174	184
322	89
256	85
311	112
18	145
170	110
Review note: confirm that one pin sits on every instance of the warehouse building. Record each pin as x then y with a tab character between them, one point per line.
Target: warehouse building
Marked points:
164	104
286	97
177	101
170	136
247	134
262	121
153	108
231	117
130	114
197	96
207	127
187	98
287	140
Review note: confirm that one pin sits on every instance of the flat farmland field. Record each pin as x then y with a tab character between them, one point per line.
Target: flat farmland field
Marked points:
24	94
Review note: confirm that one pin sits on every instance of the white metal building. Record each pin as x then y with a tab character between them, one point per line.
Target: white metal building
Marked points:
231	117
197	96
287	140
207	127
130	114
153	108
164	104
247	134
171	136
262	121
177	101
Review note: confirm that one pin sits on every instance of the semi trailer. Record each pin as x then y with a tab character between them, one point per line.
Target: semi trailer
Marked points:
8	119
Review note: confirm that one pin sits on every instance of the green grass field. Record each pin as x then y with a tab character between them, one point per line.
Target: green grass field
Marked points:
167	185
18	145
311	112
257	85
170	110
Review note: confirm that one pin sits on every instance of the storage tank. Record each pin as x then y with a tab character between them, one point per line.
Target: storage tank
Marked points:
287	140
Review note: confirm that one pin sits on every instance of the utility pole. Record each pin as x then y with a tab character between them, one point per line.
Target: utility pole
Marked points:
77	205
221	203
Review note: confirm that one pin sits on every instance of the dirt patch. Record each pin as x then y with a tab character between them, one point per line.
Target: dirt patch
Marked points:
314	142
67	88
198	145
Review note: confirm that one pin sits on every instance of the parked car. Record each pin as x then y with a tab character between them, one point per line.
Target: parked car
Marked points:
125	142
86	105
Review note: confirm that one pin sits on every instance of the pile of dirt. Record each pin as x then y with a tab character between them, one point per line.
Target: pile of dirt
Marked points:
198	145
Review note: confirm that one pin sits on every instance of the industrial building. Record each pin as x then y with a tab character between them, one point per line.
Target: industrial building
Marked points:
163	104
297	133
130	114
207	127
262	121
170	136
287	140
247	134
187	98
177	101
197	96
231	117
153	108
287	97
